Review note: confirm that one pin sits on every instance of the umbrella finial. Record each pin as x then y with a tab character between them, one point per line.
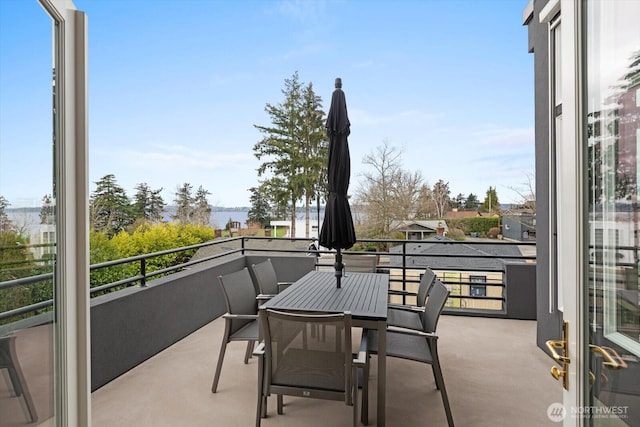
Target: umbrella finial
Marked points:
338	83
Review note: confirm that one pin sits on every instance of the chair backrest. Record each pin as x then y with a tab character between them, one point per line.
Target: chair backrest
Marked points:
355	263
239	295
426	282
297	359
435	303
265	277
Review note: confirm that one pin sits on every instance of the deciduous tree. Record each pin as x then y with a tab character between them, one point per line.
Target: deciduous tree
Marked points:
440	195
377	193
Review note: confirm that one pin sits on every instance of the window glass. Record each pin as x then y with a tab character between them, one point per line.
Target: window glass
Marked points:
612	168
27	231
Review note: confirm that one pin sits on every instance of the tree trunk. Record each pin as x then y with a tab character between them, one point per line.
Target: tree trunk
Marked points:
293	218
307	215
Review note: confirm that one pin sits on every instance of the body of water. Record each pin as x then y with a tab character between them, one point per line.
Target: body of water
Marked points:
29	218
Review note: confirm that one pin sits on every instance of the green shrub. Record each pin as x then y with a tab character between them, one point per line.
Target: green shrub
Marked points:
480	224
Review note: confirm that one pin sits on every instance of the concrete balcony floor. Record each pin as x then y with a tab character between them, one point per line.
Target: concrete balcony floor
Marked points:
494	373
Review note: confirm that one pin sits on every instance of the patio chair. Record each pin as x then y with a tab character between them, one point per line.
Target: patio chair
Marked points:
266	281
9	361
355	263
293	364
420	346
410	316
241	319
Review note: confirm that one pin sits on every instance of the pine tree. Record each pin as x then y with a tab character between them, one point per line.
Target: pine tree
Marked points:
183	201
491	203
110	210
148	204
315	150
472	202
293	148
47	211
201	208
5	222
259	211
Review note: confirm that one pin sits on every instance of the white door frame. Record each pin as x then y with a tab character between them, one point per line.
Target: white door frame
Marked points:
72	359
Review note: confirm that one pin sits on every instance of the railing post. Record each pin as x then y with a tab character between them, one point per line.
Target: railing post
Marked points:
143	272
242	244
404	273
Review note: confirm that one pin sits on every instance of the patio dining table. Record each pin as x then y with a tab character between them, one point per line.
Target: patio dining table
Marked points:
362	294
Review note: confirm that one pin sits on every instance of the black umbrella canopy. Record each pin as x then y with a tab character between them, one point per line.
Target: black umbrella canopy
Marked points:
337	229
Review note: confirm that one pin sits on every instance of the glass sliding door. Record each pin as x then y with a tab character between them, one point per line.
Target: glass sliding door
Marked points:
612	109
28	220
44	303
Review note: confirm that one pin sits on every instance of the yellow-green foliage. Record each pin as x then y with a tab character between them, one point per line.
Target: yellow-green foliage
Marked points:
147	239
144	240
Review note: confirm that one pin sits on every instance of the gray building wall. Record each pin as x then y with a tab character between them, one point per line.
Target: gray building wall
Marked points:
548	323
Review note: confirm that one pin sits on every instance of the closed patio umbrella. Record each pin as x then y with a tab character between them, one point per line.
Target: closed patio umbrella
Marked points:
337	228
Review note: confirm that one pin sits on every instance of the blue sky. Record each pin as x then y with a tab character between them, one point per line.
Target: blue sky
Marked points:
175	88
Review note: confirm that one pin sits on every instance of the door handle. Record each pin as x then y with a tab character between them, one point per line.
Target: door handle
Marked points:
563	345
612	359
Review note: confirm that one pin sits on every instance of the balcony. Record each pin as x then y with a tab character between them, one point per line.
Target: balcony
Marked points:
495	376
154	350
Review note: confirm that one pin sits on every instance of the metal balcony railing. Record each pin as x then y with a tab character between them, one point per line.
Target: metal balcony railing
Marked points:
473	288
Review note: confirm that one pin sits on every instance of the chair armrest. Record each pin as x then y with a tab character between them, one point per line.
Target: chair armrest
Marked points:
400	292
361	357
283	285
259	351
405	331
406	308
264	297
240	316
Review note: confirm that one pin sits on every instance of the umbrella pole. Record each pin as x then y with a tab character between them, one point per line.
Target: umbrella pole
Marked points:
339	266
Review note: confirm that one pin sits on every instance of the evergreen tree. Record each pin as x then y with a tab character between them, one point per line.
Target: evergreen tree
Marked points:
5	222
315	150
292	147
276	190
472	202
184	201
491	203
201	208
148	204
109	207
458	201
259	211
47	211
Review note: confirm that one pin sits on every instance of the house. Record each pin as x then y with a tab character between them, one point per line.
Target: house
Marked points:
519	226
468	269
420	229
586	61
457	214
